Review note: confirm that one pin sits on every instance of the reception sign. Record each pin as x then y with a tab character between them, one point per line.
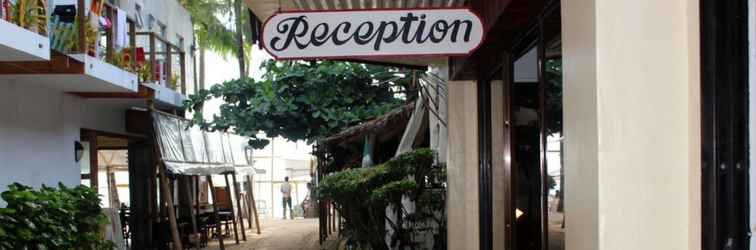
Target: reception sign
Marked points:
371	33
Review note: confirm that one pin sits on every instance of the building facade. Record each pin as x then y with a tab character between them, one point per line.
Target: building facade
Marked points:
61	100
592	124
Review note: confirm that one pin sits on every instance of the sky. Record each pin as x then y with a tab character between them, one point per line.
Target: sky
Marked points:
221	69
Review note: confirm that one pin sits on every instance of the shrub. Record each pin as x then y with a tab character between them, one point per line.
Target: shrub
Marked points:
51	218
362	196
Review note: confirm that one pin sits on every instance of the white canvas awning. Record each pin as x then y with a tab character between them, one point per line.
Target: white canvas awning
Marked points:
187	150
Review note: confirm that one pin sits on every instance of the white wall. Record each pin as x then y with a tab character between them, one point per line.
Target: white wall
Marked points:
38	127
37	133
632	124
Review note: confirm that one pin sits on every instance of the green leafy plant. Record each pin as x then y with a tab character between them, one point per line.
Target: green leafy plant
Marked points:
31	15
52	218
174	83
303	100
362	196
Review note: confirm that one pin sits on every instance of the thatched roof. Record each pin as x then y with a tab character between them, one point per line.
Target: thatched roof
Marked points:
384	126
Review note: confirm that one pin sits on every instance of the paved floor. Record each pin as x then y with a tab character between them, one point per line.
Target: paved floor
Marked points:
303	234
279	235
556	232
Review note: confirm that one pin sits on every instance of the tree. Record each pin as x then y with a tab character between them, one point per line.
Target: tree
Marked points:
210	31
239	17
302	100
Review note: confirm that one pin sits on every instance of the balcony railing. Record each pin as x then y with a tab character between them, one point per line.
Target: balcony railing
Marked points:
28	14
74	31
165	61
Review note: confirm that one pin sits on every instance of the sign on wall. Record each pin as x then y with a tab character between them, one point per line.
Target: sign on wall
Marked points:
371	33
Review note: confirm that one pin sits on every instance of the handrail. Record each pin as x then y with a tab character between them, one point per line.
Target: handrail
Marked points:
88	45
170	50
83	45
160	38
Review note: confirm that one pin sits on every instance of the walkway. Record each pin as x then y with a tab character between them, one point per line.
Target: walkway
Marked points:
279	235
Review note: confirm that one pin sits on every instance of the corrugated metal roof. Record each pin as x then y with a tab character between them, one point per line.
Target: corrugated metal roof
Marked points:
266	8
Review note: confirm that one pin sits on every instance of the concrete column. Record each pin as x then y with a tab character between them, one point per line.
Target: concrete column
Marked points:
439	118
462	166
632	133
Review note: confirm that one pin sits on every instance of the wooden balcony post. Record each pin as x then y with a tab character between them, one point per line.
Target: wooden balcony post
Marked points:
110	35
182	61
132	45
81	17
168	65
153	59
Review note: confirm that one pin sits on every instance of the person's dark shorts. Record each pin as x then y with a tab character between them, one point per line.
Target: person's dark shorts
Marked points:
287	200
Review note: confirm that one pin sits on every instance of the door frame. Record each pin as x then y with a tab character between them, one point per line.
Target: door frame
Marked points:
724	125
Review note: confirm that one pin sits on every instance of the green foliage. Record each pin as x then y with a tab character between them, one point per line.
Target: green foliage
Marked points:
30	14
302	101
211	32
363	194
553	78
216	34
62	218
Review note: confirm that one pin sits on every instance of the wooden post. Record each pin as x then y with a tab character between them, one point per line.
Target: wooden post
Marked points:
132	46
91	137
112	189
141	163
239	207
249	204
254	203
197	195
110	35
81	18
153	58
166	191
182	57
215	213
168	66
187	186
231	203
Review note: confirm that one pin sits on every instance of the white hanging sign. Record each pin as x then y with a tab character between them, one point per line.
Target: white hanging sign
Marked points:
372	33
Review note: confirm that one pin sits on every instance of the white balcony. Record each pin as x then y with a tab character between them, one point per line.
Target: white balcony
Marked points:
100	76
20	45
79	74
167	96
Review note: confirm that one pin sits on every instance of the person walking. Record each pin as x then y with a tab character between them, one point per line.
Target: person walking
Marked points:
286	193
